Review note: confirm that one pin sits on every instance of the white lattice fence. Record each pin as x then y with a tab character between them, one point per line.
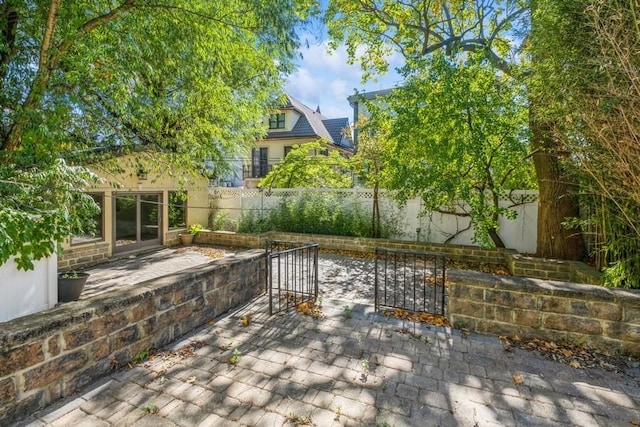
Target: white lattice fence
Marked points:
519	234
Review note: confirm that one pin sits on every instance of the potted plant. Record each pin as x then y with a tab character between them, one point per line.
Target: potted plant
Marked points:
70	285
187	238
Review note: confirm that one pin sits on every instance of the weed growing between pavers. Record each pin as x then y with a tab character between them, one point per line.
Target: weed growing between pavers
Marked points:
347	312
364	363
235	357
151	408
298	420
142	356
338	413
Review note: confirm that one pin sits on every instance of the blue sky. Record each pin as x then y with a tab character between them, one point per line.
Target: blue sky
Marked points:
327	80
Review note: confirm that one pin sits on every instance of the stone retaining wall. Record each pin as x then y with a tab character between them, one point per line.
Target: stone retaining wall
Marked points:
602	318
518	264
52	354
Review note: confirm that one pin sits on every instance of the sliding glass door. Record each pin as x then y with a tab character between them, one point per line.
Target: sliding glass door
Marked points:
137	221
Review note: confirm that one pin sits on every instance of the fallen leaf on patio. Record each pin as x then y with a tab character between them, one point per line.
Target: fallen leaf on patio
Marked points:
310	308
517	379
417	316
191	379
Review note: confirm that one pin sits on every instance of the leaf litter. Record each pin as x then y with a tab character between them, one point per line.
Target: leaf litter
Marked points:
575	356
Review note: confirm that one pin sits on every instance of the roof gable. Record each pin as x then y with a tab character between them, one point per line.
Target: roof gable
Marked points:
313	124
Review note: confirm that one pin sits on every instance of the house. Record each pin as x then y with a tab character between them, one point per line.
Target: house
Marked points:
294	123
141	208
358	102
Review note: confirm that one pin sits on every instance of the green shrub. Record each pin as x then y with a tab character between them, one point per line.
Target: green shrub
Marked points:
317	213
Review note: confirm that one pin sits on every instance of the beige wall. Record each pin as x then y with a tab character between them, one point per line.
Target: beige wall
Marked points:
127	181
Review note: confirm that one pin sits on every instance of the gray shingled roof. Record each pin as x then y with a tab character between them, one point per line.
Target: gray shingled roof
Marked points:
335	128
314	124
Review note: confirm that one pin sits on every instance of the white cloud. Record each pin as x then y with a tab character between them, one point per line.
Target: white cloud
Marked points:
303	83
326	79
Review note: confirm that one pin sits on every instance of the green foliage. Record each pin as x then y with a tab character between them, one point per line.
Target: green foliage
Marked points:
305	167
83	79
457	133
373	30
348	314
236	355
220	221
39	208
142	356
71	274
317	213
151	408
177	209
587	75
194	228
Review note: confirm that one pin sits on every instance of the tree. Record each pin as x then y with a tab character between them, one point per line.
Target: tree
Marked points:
306	167
370	160
589	77
188	78
374	29
458	132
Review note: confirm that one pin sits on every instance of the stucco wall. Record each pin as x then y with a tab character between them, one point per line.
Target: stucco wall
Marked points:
127	181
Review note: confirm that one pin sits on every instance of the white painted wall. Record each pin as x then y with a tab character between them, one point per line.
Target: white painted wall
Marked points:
26	292
519	234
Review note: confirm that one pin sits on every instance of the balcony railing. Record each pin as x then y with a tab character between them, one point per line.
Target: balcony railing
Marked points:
248	171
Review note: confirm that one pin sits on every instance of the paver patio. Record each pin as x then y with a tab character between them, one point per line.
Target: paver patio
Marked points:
334	371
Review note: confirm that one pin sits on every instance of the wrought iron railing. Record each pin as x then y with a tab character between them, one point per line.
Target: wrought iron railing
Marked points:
409	280
292	276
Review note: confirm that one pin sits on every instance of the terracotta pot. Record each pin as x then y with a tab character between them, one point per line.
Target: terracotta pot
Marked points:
186	239
70	288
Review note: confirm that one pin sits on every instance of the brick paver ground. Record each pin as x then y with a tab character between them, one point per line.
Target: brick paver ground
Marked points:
364	371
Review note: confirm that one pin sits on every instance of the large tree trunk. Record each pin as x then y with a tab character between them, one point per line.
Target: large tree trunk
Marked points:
558	200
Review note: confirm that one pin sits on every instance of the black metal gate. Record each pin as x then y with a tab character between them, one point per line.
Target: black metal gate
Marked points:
410	280
292	274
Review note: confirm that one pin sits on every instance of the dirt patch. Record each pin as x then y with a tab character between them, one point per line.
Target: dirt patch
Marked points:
213	252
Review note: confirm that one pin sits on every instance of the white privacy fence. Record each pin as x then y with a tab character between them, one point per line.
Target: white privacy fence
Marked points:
26	292
519	234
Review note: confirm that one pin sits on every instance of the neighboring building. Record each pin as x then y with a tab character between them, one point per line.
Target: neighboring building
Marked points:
140	209
294	123
360	108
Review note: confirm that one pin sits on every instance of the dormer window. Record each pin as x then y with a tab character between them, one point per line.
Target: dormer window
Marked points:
276	121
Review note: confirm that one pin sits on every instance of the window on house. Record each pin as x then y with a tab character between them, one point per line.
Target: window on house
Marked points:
276	121
287	148
177	209
96	233
259	162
